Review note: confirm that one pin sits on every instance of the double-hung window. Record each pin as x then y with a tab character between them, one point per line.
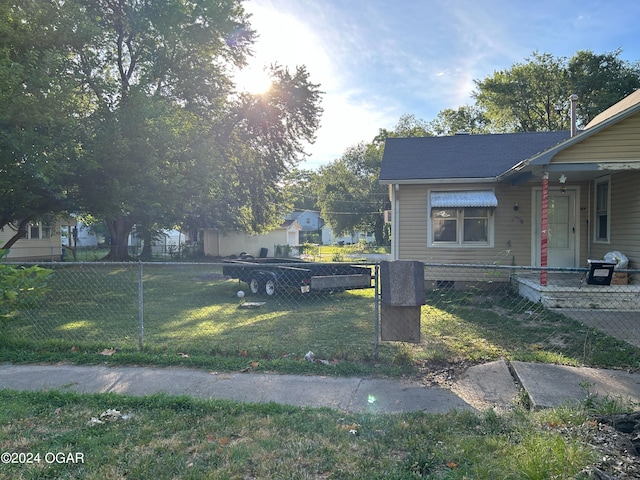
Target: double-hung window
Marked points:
460	219
602	209
34	230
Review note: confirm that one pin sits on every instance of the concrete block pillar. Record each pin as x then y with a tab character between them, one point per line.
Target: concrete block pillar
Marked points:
402	293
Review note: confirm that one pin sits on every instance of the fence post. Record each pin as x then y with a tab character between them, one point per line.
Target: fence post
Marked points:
140	307
376	313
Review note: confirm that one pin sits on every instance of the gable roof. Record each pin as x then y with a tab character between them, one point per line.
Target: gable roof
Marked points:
628	104
461	157
626	107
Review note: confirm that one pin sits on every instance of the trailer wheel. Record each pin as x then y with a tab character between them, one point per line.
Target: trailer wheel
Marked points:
270	287
254	285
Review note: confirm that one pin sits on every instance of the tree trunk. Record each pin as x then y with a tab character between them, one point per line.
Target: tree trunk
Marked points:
147	240
378	230
119	229
20	232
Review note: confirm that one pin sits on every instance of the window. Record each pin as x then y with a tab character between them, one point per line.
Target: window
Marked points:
462	218
455	226
445	225
602	210
34	231
47	229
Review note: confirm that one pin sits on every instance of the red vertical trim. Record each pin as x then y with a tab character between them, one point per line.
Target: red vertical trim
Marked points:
544	228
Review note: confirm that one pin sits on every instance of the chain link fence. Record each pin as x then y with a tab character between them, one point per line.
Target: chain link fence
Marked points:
273	310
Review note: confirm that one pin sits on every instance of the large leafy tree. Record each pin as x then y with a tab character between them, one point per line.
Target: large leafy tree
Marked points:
37	95
348	192
534	95
530	96
349	195
600	80
467	118
300	189
167	141
156	76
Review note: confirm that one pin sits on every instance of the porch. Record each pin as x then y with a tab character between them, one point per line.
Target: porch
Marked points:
570	290
612	309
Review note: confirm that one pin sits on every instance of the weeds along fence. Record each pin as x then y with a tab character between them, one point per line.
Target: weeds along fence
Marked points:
477	312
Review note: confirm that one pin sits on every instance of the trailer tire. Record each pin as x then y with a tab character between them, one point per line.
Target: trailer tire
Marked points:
254	285
270	287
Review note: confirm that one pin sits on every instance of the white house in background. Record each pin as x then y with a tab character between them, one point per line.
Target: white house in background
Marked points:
86	238
43	240
309	220
329	239
217	244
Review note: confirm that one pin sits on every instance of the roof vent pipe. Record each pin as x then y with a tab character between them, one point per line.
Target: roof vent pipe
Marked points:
574	103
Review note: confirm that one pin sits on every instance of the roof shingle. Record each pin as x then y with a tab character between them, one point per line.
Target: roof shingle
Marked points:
461	156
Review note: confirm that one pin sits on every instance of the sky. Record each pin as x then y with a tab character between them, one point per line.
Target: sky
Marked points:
376	60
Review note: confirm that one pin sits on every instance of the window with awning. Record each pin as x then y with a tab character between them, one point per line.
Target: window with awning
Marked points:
462	218
479	198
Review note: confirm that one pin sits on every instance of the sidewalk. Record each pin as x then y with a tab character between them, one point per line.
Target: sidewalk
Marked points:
490	385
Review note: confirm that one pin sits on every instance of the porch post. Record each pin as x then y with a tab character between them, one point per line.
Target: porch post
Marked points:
544	228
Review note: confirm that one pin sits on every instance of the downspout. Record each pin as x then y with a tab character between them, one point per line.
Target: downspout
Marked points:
544	228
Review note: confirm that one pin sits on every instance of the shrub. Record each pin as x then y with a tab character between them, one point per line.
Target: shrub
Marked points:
19	286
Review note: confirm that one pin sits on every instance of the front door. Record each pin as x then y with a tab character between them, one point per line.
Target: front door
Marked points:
562	240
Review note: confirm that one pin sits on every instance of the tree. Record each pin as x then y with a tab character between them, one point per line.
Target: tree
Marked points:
600	80
408	126
155	77
468	118
256	147
534	95
531	96
299	186
349	194
167	142
37	147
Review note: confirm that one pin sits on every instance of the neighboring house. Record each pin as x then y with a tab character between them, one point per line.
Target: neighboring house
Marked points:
478	199
86	238
311	225
218	244
43	240
329	239
309	220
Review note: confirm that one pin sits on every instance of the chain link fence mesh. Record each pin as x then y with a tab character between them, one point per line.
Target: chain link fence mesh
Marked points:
476	312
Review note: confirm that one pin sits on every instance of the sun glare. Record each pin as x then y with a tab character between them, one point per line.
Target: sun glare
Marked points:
253	79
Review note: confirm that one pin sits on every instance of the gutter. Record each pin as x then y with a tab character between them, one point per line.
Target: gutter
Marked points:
422	181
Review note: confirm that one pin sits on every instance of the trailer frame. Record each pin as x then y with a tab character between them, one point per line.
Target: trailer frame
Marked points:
272	275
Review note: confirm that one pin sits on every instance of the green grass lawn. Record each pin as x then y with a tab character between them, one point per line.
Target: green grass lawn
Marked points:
177	437
192	317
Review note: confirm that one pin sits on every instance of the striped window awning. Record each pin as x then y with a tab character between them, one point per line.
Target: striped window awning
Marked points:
476	198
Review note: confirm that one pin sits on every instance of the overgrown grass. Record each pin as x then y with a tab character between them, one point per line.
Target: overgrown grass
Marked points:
177	437
192	317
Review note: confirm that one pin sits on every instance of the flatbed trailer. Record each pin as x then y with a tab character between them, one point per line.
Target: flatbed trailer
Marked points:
271	275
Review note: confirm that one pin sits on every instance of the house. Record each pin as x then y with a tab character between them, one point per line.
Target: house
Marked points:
328	238
310	225
551	199
309	220
218	244
44	240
